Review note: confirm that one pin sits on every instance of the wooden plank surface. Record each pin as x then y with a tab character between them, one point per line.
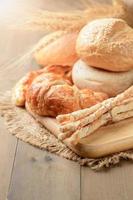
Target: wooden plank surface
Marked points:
112	184
8	146
8	77
40	175
36	174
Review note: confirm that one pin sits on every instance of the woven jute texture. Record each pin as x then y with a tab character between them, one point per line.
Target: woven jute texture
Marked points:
26	128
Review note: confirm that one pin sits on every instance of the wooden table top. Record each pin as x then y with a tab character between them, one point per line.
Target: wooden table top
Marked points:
27	173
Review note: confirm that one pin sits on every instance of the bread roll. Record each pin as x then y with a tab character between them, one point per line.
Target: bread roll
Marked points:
57	49
99	80
107	44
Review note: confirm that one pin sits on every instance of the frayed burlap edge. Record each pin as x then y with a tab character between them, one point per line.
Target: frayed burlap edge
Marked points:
27	129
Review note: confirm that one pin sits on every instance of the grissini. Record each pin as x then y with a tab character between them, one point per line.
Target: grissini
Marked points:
98	109
114	109
106	44
106	140
99	80
104	120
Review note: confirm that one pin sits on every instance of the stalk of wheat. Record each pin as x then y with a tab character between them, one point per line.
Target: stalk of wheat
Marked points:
74	21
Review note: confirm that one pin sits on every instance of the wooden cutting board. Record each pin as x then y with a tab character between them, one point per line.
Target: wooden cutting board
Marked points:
106	140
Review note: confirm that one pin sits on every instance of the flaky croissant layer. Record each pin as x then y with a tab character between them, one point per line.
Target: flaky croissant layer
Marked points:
49	92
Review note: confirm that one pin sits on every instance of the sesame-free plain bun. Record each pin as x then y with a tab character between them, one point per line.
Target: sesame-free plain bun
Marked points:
107	44
99	80
57	48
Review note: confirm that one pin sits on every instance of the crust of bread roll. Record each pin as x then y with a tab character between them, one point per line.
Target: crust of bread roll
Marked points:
107	44
57	49
99	80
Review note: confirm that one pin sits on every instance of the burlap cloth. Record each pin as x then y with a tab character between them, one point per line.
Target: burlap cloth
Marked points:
26	128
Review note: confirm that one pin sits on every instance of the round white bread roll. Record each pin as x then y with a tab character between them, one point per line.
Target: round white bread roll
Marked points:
99	80
107	44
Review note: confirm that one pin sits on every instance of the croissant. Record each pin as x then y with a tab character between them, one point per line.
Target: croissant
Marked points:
50	92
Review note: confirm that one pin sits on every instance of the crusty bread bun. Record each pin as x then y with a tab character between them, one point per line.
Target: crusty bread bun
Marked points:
107	44
99	80
57	48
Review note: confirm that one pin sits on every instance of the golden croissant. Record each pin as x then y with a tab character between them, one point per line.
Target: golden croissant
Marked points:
49	92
